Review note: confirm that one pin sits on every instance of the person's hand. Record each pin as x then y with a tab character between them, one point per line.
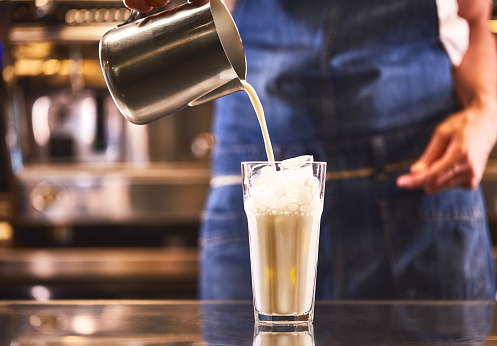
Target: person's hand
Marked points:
230	4
457	153
144	5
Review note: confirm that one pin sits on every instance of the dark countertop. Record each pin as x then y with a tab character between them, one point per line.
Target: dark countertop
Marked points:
154	322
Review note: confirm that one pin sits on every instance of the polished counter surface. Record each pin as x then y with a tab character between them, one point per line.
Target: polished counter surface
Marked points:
159	322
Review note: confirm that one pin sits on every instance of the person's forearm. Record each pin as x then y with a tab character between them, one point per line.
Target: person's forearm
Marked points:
458	150
476	76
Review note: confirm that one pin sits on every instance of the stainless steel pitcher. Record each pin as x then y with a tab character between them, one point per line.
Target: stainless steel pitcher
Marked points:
180	57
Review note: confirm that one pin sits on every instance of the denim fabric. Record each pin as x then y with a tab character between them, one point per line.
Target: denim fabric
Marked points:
359	84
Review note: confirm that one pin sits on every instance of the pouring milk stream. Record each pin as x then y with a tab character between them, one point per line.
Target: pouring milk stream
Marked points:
256	103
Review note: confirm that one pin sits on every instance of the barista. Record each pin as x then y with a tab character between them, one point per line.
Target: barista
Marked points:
399	97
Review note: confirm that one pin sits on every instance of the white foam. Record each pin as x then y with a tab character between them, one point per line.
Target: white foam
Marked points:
292	189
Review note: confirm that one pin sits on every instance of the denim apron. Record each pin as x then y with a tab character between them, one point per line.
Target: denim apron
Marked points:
359	84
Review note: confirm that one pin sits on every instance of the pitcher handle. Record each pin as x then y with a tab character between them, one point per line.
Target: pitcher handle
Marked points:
132	17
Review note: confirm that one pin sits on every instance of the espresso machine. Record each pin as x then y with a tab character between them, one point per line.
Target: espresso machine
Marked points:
79	181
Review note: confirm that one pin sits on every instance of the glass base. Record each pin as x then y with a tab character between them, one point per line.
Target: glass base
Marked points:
275	334
303	318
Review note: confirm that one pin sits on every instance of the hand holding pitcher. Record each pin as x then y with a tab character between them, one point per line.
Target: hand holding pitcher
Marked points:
180	57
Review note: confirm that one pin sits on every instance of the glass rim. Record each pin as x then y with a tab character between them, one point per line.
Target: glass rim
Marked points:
278	162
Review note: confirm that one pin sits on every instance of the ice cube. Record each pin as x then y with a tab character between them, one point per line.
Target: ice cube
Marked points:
296	162
267	187
304	195
312	182
293	185
254	174
297	167
295	172
297	175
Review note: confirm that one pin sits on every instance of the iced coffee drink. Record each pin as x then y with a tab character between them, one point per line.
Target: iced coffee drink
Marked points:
283	203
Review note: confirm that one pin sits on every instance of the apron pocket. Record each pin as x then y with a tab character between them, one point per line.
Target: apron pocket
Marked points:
438	245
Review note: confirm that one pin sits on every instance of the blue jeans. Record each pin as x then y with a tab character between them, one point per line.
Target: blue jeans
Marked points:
361	85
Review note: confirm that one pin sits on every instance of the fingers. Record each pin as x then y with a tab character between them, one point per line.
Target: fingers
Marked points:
157	3
448	174
138	5
433	151
458	174
439	163
459	179
424	175
144	5
457	153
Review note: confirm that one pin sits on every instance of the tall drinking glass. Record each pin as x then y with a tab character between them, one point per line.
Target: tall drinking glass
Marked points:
283	202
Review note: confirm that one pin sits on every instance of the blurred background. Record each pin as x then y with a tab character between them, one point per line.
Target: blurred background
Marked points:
92	206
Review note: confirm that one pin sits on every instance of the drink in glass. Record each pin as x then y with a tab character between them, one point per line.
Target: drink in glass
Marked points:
284	202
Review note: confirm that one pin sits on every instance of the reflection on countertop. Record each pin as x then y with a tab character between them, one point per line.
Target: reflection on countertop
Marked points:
161	322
